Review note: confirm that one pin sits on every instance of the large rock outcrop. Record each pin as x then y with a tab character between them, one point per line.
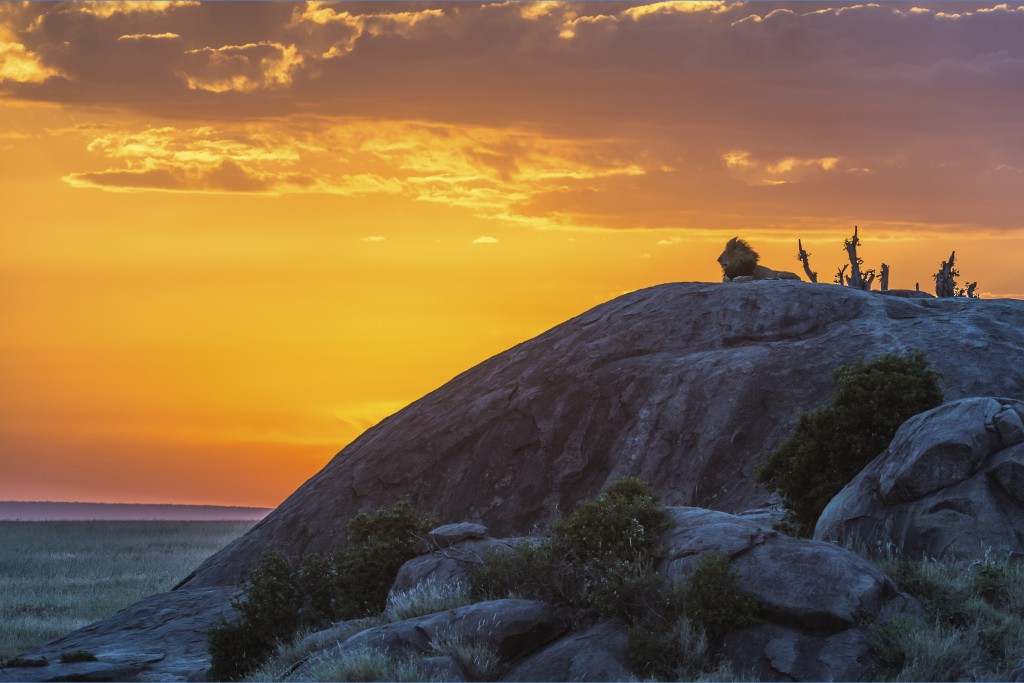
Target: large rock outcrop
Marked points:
685	385
950	485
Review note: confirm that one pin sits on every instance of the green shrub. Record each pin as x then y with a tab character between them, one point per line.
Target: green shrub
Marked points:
599	560
832	444
327	587
269	611
77	656
711	598
354	582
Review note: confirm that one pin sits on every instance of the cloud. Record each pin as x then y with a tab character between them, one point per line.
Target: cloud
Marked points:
20	65
372	238
779	172
109	9
485	239
150	36
242	68
573	115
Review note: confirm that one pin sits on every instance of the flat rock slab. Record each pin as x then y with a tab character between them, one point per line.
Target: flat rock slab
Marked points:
950	485
160	638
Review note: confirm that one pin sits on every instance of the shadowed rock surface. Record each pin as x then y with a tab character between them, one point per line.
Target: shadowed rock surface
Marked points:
513	628
159	638
596	654
950	485
817	600
685	385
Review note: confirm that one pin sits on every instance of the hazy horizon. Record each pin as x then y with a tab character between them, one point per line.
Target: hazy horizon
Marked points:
45	511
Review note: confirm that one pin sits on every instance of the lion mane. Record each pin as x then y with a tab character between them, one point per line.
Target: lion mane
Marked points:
740	260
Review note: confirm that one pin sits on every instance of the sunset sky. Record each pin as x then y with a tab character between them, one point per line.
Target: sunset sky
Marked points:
234	235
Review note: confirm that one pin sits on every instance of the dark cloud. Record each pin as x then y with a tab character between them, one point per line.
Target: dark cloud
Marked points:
919	107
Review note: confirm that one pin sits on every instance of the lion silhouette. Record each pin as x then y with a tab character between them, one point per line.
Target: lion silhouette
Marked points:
739	260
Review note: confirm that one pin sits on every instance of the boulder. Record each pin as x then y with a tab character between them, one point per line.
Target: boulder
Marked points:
448	564
950	485
446	535
513	628
817	600
159	638
596	654
685	385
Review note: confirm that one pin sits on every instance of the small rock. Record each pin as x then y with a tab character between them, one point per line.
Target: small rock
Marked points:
449	534
1017	675
1009	426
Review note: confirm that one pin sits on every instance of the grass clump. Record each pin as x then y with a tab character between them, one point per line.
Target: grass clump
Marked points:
326	588
973	623
601	562
480	661
365	665
426	597
832	444
77	656
23	662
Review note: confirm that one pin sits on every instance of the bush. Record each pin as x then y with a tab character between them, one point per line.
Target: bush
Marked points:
601	561
269	611
833	443
711	599
328	587
354	582
77	656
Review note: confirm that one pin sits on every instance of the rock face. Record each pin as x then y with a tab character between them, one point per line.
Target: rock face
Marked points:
685	385
817	599
160	638
950	485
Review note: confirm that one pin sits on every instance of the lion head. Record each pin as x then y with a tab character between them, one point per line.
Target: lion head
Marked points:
737	259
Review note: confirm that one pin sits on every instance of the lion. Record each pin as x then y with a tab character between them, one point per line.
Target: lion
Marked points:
739	260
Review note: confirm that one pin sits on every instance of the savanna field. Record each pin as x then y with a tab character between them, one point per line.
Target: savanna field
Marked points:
56	577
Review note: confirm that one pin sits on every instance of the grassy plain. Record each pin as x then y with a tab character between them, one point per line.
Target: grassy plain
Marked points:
56	577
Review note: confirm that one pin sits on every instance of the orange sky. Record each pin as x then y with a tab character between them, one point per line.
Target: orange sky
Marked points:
235	235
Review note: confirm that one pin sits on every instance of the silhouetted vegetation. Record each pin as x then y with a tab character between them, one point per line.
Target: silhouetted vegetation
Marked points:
601	562
77	656
328	587
832	444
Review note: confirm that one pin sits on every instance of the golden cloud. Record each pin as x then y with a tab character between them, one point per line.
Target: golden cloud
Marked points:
242	68
753	171
106	10
149	36
487	171
18	64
